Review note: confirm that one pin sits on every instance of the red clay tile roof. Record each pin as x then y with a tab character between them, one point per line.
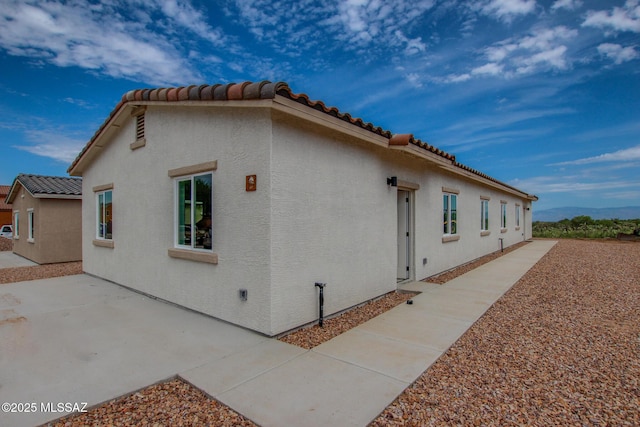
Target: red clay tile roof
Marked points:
248	91
40	185
4	191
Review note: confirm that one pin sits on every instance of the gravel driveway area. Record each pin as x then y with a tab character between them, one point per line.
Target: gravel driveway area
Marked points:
560	348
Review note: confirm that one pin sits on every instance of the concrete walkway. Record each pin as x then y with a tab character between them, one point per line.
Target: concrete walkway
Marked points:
352	378
8	260
82	339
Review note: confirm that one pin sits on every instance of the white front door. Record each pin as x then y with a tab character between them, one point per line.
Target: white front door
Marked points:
404	238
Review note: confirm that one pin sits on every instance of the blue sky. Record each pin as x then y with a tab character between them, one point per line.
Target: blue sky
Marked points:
543	95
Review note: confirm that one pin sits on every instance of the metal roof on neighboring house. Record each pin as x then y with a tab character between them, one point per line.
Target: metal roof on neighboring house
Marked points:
262	90
47	186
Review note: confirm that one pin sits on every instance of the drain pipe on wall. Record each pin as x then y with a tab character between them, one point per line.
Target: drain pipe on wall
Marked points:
321	301
501	244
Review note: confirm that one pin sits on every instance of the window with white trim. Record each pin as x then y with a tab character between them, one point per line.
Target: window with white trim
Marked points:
104	215
450	213
517	216
193	212
503	215
484	215
16	224
31	224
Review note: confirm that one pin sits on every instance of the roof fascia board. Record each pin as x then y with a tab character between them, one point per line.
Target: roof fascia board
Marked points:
288	106
57	196
14	191
487	182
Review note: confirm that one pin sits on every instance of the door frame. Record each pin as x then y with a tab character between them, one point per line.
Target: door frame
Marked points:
410	194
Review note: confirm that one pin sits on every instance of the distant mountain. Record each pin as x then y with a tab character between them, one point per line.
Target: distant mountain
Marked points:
558	214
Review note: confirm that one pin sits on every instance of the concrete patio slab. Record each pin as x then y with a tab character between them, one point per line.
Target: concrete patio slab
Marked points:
418	327
224	374
10	260
396	359
82	339
314	390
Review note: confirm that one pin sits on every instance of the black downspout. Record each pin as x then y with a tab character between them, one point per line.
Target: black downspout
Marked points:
321	299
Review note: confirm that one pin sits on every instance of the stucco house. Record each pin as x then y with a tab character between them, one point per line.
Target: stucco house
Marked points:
234	200
47	218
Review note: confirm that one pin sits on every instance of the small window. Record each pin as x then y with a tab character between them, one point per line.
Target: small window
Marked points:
517	216
194	208
450	213
16	224
104	229
503	215
31	224
484	215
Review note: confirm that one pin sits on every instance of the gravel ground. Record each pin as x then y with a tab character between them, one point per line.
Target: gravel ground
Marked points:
20	274
6	244
172	403
561	347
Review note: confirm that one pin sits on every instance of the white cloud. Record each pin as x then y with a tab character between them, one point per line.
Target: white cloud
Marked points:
374	25
488	69
625	18
566	4
568	184
625	155
506	10
52	145
618	53
109	38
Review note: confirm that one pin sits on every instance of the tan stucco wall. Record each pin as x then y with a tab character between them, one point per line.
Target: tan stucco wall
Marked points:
57	229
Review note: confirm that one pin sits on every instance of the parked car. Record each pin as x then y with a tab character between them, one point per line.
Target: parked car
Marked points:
6	231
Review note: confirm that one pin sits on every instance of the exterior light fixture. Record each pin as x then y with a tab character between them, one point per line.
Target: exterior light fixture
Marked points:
393	181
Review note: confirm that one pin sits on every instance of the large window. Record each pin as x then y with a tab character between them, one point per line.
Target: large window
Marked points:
503	215
104	229
31	225
194	196
484	215
450	213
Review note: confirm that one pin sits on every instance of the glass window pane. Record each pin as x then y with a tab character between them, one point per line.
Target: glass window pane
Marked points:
202	208
445	209
454	214
108	207
184	212
101	224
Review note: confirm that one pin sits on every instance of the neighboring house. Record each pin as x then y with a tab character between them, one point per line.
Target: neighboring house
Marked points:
5	208
47	218
234	200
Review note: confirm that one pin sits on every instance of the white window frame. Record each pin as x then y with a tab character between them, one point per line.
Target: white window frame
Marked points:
448	231
98	194
16	224
484	214
176	214
517	217
31	225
